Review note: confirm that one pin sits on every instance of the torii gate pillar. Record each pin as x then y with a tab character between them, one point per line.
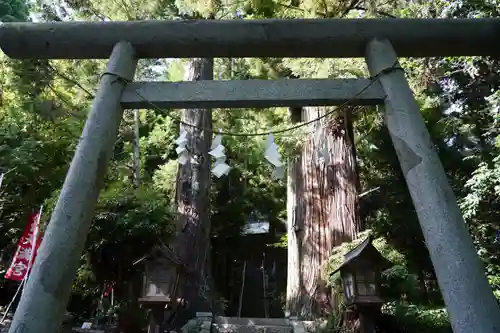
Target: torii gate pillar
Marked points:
466	292
45	296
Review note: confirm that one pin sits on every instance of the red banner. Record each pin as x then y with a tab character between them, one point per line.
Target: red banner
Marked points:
108	289
21	261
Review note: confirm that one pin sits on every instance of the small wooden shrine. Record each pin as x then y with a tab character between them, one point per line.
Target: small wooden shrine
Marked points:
361	278
161	271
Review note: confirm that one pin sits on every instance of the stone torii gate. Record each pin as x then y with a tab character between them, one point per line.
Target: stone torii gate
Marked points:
469	299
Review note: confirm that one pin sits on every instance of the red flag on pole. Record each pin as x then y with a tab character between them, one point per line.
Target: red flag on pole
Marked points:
23	258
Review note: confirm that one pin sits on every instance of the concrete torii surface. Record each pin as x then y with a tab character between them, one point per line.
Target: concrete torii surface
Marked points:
468	296
251	38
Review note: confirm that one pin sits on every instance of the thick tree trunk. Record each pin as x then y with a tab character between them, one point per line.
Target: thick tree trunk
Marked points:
294	226
293	288
192	240
322	213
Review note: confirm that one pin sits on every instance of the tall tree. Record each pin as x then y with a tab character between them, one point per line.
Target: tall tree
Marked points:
192	240
322	211
323	198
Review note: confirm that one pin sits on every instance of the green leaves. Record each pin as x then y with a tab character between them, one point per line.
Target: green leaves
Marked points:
13	10
483	187
414	319
127	224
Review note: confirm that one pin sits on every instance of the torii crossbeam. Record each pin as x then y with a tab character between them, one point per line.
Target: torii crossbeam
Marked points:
467	294
331	38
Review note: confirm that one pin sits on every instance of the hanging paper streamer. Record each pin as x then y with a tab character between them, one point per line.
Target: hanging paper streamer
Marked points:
322	155
279	172
181	150
217	150
273	156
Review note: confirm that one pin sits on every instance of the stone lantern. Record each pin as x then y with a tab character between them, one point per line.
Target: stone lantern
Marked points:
361	274
162	271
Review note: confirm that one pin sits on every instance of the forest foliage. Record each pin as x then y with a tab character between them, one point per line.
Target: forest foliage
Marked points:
43	105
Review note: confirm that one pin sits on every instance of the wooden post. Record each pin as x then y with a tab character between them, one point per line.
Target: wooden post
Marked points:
460	274
367	316
242	289
44	300
137	154
156	316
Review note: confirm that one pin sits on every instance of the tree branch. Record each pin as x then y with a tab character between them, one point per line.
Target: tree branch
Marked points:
364	194
70	80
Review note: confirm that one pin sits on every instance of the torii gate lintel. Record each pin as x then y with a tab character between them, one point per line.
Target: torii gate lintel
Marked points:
325	38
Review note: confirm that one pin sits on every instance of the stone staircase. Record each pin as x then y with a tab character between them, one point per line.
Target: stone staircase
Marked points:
203	324
251	325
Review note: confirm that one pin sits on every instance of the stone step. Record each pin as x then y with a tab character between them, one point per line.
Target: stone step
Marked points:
202	324
228	328
252	325
253	321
